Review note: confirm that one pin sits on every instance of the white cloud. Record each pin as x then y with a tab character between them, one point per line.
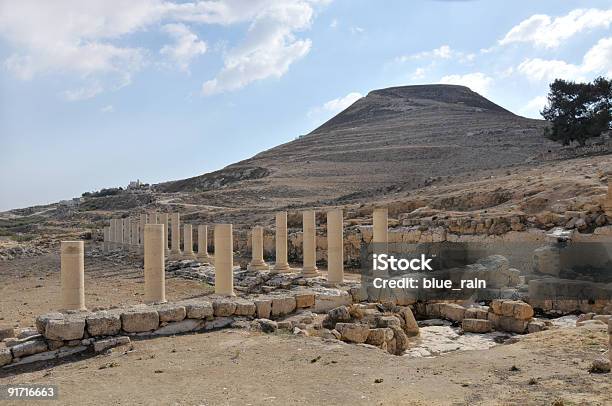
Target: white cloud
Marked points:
419	73
83	93
597	61
334	23
339	104
87	39
107	109
477	81
186	45
269	49
357	30
544	31
443	52
333	106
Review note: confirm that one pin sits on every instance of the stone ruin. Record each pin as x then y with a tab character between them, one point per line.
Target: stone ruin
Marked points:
269	298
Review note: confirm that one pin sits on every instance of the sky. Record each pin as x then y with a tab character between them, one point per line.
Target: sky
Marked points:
97	93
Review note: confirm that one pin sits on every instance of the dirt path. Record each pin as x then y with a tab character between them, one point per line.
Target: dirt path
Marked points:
236	367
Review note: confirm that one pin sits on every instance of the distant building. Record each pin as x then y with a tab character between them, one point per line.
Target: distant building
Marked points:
74	202
135	184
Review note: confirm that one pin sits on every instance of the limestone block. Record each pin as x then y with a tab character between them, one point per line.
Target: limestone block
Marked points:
224	307
264	308
476	325
304	299
179	327
69	328
388	321
171	312
511	324
535	326
603	317
199	310
410	325
29	348
245	308
513	308
103	323
476	313
105	344
266	325
331	298
5	356
282	305
139	320
379	336
452	311
401	340
352	332
218	322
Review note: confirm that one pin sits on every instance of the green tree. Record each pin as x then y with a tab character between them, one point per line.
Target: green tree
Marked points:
578	111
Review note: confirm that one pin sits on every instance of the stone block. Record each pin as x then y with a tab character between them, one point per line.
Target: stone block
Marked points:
304	300
263	308
43	319
245	308
139	320
476	325
224	307
401	340
70	327
331	298
199	310
103	323
358	294
352	332
511	325
535	326
379	336
171	312
266	325
179	327
218	322
29	348
105	344
452	311
6	357
410	325
282	305
388	321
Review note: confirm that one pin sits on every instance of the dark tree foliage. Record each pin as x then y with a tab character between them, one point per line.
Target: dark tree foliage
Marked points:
578	111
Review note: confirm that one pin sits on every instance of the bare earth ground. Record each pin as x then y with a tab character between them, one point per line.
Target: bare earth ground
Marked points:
236	367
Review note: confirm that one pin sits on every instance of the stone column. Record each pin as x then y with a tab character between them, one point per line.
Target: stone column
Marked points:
281	264
134	235
175	251
120	233
72	275
188	242
203	244
115	233
154	269
309	244
163	219
141	227
152	218
126	233
257	262
106	235
380	221
224	260
335	247
610	339
111	234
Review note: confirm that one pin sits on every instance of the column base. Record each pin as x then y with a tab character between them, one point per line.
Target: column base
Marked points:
262	266
175	256
310	272
189	256
281	268
205	259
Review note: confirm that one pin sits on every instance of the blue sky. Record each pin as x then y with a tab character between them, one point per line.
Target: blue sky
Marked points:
97	93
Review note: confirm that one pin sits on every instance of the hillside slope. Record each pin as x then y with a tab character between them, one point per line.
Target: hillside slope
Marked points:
403	137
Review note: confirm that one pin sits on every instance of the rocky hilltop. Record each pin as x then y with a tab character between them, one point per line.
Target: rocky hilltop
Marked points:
401	137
